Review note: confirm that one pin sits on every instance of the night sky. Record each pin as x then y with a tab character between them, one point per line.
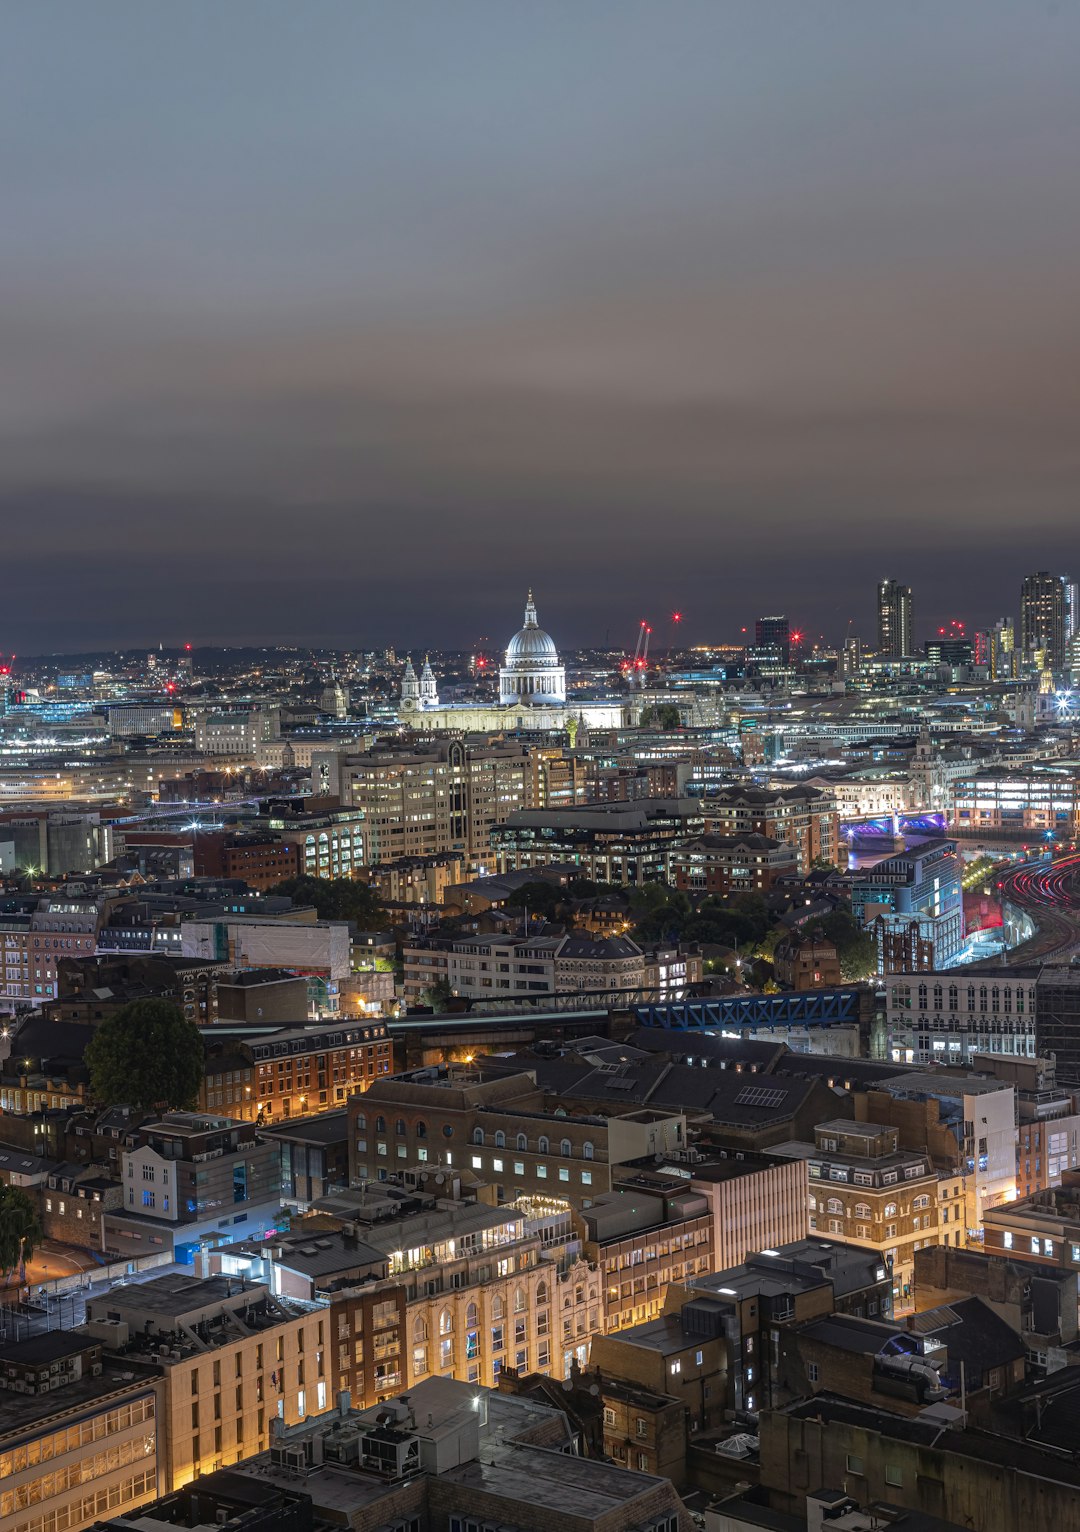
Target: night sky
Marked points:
345	322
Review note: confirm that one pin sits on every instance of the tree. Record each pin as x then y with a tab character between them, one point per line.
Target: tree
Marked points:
336	899
665	715
855	945
20	1230
538	897
438	994
147	1055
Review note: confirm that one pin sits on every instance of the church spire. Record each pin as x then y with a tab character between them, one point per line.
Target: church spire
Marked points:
530	611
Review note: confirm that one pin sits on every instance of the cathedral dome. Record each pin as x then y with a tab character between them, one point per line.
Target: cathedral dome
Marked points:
531	643
531	672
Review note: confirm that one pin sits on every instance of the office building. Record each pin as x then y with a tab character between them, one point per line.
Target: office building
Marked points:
894	620
79	1433
947	1018
234	1359
192	1178
1042	618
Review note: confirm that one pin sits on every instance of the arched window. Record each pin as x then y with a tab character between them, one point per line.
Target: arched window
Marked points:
835	1205
522	1141
542	1145
541	1292
500	1139
497	1307
921	1202
478	1136
421	1130
380	1125
519	1300
470	1317
446	1323
399	1127
862	1210
889	1210
420	1328
361	1122
566	1148
586	1150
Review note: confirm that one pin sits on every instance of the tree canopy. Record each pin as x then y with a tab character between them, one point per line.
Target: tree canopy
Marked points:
855	945
20	1230
147	1055
336	899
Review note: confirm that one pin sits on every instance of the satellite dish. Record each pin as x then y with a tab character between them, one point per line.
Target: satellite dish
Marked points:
439	1179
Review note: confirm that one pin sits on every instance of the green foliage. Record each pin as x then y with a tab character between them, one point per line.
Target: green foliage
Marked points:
664	715
438	995
336	899
147	1055
855	946
20	1230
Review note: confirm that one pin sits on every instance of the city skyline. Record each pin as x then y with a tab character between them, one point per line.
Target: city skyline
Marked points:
383	315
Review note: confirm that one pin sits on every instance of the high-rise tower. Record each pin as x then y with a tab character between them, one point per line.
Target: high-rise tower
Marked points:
1042	617
894	619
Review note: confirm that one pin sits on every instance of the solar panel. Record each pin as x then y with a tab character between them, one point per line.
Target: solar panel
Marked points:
760	1095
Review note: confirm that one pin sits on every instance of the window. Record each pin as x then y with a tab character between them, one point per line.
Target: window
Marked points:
380	1125
399	1127
446	1322
542	1145
609	1415
889	1210
500	1139
835	1205
676	1368
586	1150
522	1142
812	1371
566	1149
855	1463
894	1475
478	1136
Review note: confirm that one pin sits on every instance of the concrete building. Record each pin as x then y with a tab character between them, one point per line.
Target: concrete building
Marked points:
447	1456
1057	1020
801	817
948	1017
234	1361
907	888
867	1191
80	1435
192	1179
502	1129
431	799
624	843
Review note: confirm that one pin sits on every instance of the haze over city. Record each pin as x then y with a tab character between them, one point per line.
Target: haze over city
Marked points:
394	310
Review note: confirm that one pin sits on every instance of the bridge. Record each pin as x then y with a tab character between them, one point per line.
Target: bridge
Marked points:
738	1013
